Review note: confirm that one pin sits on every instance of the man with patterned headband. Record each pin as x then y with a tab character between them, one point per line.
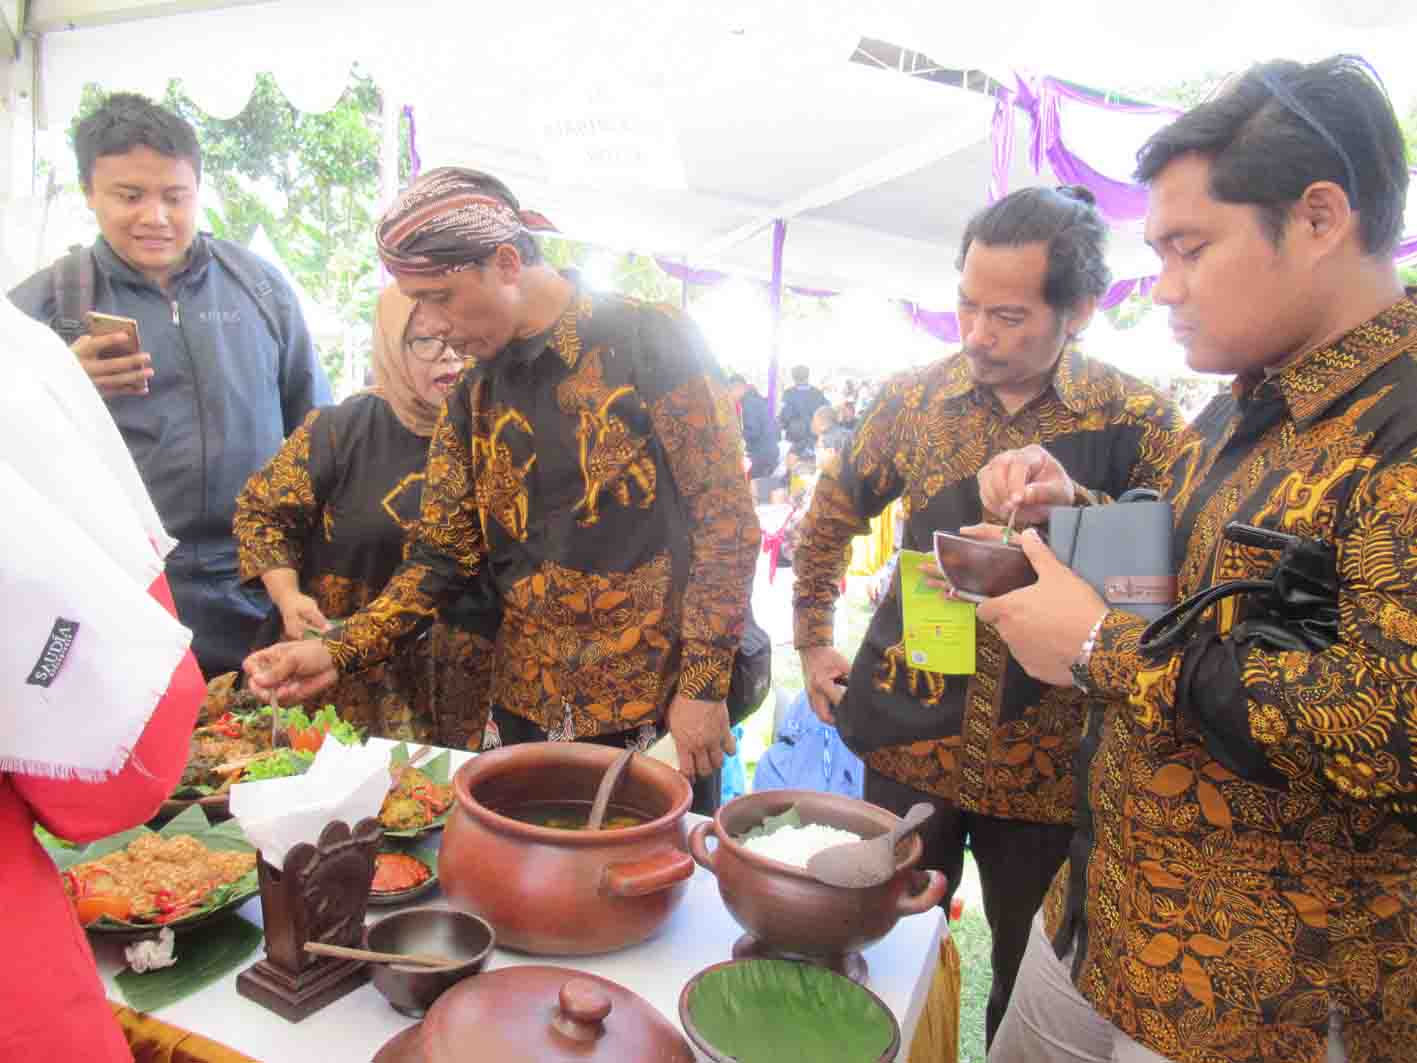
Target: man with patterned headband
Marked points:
590	459
992	751
1243	882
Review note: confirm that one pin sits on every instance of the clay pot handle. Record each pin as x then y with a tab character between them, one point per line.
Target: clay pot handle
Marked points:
927	898
698	845
650	875
582	1009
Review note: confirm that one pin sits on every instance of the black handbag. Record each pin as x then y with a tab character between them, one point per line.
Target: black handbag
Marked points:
1295	607
751	678
1123	550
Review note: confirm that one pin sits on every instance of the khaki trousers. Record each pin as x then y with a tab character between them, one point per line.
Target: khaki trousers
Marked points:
1049	1021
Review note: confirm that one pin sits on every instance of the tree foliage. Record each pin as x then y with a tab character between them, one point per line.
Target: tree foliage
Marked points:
311	180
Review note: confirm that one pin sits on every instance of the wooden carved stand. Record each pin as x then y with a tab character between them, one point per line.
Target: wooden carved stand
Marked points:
321	894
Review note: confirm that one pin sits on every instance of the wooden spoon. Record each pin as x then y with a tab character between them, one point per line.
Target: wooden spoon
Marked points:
416	959
858	865
608	782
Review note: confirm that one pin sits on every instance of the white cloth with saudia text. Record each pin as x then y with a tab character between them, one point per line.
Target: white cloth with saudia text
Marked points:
87	652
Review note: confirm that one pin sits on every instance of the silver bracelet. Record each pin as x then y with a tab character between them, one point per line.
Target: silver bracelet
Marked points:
1082	677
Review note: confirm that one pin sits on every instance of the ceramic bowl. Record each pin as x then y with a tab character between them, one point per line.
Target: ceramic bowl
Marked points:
786	911
982	570
410	989
559	892
776	1009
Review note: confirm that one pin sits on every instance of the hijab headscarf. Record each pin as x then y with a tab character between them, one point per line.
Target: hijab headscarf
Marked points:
449	220
393	379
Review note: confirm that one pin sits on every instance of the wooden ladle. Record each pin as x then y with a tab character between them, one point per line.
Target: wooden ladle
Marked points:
859	865
608	782
415	959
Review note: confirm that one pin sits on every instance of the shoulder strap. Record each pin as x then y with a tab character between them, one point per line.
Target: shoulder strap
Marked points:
73	278
257	285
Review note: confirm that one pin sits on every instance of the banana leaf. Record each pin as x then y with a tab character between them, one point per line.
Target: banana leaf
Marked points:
190	821
203	956
439	770
776	1011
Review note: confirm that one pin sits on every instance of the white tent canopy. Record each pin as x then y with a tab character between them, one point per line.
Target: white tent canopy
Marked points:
684	129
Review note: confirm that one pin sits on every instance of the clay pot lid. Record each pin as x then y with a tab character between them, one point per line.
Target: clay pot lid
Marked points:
540	1012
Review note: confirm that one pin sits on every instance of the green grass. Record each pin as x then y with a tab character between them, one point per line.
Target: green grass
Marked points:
971	934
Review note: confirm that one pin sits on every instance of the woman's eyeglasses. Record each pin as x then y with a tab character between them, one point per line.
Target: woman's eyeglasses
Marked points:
429	348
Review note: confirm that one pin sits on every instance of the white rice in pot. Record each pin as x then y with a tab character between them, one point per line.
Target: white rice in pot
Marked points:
794	845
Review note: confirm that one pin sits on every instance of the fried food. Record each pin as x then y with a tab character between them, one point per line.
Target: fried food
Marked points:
414	802
160	879
227	740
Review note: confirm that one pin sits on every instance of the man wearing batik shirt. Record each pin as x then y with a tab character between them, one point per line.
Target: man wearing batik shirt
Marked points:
590	459
992	751
1246	889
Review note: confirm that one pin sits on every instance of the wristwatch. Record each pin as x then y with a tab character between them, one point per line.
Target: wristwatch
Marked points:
1082	674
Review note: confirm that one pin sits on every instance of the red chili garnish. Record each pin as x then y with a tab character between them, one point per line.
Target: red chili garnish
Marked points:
228	726
76	888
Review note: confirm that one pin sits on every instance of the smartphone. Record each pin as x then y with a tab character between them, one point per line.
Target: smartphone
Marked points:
107	324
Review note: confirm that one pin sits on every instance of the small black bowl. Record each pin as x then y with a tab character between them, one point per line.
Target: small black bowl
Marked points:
440	931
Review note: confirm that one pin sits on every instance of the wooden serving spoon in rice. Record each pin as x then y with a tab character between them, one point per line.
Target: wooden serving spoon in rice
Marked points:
859	865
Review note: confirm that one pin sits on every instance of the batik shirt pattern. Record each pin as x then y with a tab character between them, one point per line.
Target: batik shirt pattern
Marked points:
1002	743
335	504
1221	911
596	473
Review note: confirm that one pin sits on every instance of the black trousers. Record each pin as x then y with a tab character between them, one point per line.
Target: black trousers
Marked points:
513	730
1016	859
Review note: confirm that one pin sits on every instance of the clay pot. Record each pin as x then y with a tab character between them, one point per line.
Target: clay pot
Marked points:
539	1013
982	570
565	892
789	913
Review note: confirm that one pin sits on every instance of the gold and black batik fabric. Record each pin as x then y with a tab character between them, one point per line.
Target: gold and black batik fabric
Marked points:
335	504
1222	909
595	472
998	742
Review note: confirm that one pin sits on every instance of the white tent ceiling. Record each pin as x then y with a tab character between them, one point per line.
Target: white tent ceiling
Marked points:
743	111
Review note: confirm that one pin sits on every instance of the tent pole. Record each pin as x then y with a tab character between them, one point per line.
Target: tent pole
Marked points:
779	238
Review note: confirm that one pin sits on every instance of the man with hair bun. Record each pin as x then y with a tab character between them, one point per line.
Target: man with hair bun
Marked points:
993	751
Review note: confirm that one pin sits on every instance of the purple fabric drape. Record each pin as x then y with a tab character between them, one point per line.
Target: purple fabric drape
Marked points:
1040	98
1001	135
414	162
683	273
779	240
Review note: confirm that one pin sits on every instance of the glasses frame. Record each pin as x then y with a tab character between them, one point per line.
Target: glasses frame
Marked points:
426	343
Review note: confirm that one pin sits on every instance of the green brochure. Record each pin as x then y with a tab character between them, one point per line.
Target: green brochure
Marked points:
939	631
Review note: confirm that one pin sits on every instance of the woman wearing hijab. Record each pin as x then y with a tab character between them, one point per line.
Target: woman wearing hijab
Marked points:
322	526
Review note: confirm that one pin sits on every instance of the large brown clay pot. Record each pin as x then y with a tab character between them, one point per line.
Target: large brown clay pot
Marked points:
784	909
565	892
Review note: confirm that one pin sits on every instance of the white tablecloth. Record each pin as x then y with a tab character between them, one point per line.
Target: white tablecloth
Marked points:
700	933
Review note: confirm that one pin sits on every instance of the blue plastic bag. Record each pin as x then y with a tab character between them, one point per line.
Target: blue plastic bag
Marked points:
809	755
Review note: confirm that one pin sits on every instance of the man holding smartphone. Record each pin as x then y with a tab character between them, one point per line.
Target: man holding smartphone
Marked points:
226	370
